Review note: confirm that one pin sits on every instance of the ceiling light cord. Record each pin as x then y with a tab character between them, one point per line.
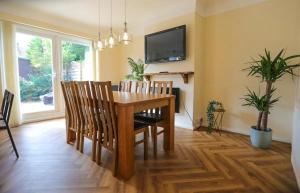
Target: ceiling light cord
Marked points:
99	18
125	12
111	17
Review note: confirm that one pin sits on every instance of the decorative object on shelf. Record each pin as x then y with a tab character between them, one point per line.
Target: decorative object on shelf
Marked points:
100	44
137	69
184	75
125	37
111	39
269	70
215	113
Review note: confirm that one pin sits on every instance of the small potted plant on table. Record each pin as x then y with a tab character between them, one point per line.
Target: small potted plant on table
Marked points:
269	70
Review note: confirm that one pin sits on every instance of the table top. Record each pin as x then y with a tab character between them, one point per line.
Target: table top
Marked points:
127	98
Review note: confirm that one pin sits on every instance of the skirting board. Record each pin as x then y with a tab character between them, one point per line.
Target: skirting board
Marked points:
296	171
276	138
244	132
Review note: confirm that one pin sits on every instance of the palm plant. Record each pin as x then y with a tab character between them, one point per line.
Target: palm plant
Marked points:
137	70
269	71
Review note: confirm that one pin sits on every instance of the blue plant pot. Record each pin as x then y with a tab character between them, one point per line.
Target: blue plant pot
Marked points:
260	139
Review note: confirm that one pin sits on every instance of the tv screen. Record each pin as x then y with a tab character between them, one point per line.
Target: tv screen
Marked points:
166	46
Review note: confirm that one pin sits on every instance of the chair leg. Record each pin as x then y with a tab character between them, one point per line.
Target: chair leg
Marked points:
99	148
154	133
12	141
81	142
115	162
77	140
94	145
146	143
99	153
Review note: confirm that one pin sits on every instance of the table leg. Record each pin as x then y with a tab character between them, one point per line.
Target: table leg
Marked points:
168	113
125	158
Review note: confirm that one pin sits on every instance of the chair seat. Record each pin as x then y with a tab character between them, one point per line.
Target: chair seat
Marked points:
148	117
140	124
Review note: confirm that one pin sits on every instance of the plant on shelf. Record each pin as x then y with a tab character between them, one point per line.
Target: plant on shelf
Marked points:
211	108
137	69
269	70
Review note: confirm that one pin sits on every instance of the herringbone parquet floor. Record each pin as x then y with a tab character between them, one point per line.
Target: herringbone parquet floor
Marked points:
201	163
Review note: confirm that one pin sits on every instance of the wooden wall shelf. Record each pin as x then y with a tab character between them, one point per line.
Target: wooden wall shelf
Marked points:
184	75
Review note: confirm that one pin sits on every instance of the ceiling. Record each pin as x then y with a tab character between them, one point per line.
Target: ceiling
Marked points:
83	14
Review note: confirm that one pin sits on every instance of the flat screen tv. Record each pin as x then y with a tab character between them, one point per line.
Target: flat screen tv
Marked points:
166	46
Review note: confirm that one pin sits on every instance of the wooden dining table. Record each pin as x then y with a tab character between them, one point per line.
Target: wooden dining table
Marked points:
126	105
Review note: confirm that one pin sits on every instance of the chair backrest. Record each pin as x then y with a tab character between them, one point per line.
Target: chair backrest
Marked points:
142	86
87	110
3	100
106	114
125	86
7	106
162	87
68	88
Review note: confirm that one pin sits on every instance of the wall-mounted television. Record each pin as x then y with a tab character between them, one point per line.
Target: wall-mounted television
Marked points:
166	46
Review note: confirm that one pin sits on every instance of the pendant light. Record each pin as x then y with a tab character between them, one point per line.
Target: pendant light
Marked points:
125	37
100	44
111	39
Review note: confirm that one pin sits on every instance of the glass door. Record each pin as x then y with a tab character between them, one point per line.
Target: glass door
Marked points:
36	70
43	59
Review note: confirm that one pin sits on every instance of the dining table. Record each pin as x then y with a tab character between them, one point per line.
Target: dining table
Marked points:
127	104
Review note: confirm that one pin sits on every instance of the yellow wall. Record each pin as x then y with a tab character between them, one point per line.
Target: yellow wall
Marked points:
110	65
136	51
231	39
199	82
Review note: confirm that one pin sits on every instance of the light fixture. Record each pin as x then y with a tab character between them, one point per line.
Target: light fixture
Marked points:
100	44
125	37
111	39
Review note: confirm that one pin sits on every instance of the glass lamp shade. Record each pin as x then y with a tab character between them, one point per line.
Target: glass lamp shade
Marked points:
125	38
99	45
111	41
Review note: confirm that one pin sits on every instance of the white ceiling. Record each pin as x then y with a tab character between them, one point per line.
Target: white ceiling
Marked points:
83	14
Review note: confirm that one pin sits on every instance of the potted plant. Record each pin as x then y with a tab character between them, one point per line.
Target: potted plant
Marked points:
269	70
137	70
211	109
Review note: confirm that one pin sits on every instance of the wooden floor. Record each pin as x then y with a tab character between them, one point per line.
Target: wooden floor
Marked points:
201	163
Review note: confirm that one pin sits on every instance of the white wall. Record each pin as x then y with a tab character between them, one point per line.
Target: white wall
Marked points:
296	139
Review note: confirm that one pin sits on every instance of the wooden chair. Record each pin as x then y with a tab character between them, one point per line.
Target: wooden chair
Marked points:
72	116
86	115
142	86
107	122
4	123
154	116
125	86
3	102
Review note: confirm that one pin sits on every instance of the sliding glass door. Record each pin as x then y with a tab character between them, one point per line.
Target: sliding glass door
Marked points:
43	59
